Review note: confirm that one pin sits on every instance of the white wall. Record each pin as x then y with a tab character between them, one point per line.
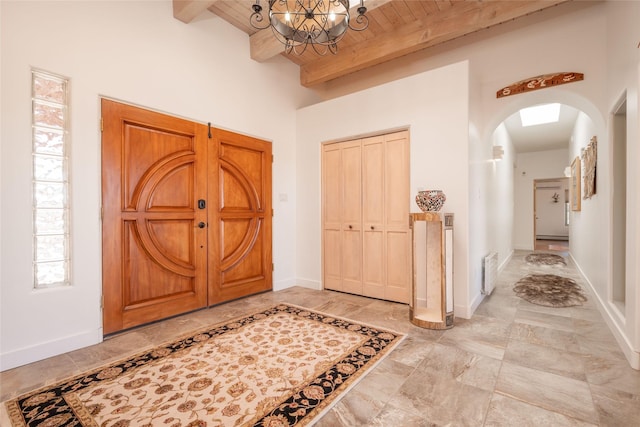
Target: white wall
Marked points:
135	52
434	105
531	166
502	205
480	194
623	75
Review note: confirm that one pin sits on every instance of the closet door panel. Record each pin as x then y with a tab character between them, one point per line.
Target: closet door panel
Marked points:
373	203
398	266
352	261
350	171
396	183
332	216
373	271
397	232
332	187
373	179
332	259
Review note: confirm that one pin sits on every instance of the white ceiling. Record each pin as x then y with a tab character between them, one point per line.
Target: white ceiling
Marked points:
552	136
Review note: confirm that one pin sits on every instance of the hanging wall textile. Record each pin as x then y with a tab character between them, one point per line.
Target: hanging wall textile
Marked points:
574	189
589	160
281	366
539	82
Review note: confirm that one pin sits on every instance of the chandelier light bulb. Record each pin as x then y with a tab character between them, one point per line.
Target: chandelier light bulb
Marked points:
287	17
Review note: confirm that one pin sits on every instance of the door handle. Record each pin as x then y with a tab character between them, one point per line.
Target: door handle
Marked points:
202	204
201	224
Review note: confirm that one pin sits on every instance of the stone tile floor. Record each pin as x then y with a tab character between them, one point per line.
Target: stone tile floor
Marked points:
512	364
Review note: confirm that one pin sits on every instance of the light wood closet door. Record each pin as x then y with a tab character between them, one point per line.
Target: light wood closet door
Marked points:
385	200
350	172
373	200
397	236
332	215
366	239
342	211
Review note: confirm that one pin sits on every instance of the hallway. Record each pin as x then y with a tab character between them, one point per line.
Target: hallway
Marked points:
512	364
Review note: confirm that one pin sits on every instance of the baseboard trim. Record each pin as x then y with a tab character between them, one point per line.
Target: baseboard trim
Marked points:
308	283
23	356
283	284
633	356
475	304
505	262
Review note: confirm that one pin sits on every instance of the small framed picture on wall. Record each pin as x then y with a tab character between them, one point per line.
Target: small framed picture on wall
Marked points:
575	184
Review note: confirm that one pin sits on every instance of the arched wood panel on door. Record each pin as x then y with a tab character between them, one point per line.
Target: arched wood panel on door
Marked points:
240	234
154	253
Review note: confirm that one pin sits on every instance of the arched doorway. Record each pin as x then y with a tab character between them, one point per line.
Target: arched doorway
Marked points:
541	136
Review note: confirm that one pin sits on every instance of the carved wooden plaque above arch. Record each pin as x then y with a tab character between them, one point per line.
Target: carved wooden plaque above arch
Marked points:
539	82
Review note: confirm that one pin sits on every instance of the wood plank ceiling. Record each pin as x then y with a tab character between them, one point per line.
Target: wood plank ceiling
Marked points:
396	28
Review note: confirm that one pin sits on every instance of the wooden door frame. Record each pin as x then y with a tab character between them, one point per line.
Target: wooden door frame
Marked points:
535	182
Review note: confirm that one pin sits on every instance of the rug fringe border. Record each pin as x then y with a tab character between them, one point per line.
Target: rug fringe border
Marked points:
355	382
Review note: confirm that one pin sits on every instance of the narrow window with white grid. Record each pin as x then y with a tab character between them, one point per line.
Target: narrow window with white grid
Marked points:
50	121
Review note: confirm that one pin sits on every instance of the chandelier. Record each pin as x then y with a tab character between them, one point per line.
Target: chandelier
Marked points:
300	23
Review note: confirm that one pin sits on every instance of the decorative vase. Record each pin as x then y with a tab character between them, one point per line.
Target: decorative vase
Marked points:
430	200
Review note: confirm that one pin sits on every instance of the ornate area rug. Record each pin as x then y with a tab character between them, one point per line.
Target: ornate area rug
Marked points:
538	258
549	290
279	367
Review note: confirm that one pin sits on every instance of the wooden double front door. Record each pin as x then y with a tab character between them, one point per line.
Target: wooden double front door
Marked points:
186	216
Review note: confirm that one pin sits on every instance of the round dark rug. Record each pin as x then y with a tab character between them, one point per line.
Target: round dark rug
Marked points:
538	258
549	290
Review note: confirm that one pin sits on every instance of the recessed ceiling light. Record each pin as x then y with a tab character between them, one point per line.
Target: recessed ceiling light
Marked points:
540	114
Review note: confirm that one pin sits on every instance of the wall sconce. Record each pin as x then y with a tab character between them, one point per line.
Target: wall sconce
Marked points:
498	152
555	197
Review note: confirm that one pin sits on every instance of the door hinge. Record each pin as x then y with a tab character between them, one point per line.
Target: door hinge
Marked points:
101	301
209	133
273	267
272	158
101	213
272	212
101	125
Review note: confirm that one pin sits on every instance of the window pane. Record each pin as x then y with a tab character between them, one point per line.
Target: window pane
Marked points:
47	141
50	248
49	121
51	273
49	88
48	115
48	168
50	221
49	195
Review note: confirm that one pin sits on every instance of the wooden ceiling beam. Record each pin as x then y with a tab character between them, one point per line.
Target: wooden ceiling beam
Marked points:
264	45
449	24
187	10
